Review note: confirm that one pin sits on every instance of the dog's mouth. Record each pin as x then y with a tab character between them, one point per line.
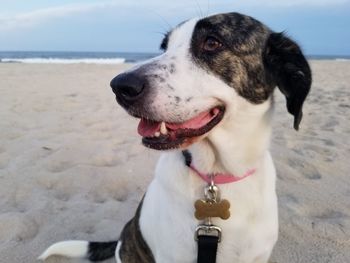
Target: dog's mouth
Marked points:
161	135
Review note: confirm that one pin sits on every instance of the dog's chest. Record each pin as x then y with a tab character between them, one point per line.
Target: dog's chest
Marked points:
168	224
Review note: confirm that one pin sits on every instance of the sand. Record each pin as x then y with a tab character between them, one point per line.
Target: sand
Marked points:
72	167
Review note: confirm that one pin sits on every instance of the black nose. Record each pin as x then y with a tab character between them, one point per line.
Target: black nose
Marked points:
128	86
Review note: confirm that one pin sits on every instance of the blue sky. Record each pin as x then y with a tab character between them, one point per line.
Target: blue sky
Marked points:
320	26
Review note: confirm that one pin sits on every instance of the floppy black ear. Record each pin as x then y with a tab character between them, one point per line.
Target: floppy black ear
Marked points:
288	68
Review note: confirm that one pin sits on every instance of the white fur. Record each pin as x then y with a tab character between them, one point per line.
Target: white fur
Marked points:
188	81
69	248
251	232
117	257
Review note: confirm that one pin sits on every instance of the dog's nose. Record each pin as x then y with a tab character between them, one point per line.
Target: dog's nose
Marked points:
128	86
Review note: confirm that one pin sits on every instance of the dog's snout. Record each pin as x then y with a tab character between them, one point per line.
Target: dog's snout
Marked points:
128	86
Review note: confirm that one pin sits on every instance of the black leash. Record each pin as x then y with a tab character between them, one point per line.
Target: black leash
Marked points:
207	247
207	244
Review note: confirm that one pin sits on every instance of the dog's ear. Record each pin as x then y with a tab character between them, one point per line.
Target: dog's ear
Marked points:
288	68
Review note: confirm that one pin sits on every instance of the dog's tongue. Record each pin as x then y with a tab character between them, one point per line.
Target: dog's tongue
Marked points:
196	122
148	128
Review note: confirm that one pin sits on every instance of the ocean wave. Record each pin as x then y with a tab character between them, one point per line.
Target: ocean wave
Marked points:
64	60
342	59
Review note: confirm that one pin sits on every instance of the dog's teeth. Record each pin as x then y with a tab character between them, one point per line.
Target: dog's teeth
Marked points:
163	129
157	134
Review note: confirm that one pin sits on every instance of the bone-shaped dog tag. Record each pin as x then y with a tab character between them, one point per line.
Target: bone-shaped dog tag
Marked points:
206	209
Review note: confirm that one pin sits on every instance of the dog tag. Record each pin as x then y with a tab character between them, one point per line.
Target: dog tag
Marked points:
205	209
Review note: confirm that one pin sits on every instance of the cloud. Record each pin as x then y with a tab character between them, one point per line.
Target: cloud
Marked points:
32	18
37	17
289	3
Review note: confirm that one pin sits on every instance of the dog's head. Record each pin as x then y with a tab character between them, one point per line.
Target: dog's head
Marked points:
210	67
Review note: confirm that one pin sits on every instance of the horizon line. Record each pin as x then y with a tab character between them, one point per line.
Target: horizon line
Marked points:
135	52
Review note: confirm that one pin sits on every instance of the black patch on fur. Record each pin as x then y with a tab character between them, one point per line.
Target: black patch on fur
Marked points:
253	60
164	43
288	68
238	62
98	251
188	157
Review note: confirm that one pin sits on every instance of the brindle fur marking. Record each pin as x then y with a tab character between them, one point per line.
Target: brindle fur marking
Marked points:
239	62
134	248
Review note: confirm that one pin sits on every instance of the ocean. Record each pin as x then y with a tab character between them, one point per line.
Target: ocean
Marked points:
63	57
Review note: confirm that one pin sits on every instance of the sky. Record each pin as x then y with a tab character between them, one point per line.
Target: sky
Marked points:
321	27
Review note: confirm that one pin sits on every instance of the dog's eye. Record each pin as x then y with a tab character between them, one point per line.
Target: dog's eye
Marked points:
211	44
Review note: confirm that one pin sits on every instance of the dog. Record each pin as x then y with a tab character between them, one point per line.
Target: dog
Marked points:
207	101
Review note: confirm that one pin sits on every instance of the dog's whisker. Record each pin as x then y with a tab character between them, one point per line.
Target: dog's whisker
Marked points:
168	25
199	9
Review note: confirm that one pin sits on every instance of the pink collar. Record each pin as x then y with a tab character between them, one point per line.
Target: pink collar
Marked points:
222	178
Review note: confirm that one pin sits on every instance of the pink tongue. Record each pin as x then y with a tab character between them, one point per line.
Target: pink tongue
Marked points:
147	128
196	122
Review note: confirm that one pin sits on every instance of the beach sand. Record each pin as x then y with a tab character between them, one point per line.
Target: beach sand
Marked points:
72	166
